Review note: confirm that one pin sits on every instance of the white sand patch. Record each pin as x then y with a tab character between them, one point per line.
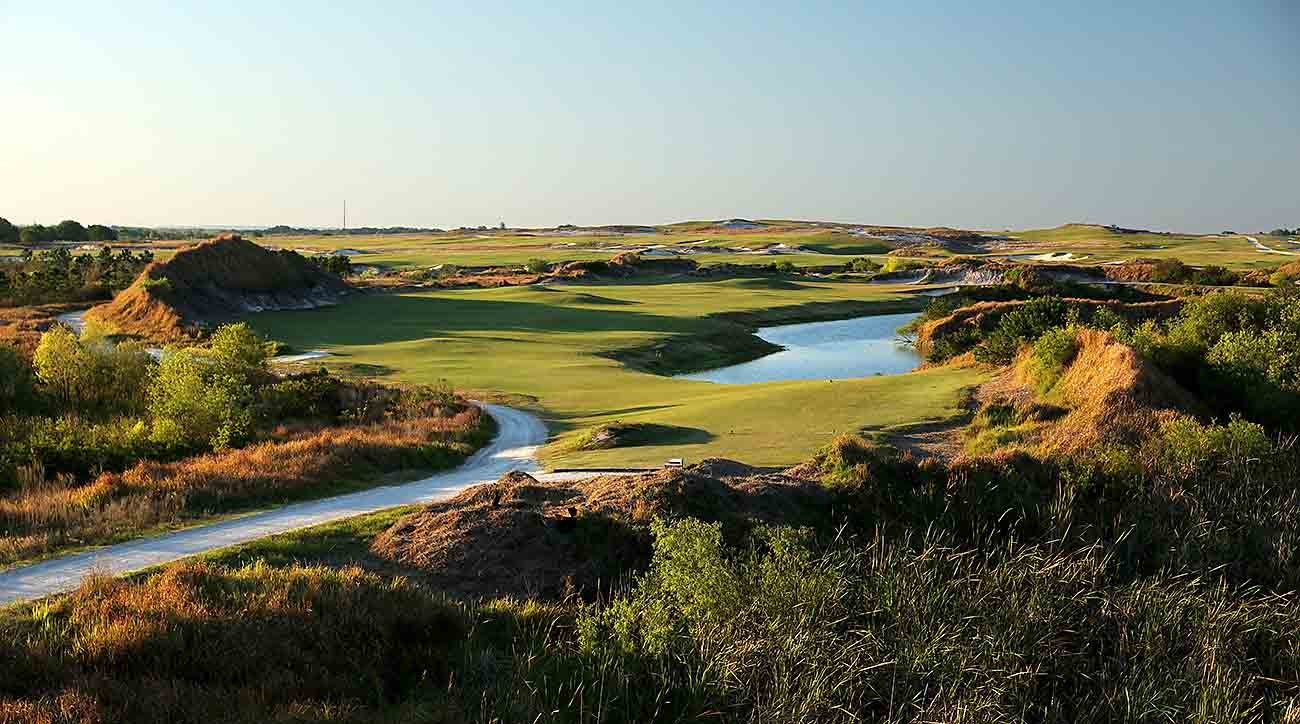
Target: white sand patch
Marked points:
297	358
1259	246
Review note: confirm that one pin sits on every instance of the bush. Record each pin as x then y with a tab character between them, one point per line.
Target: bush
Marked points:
1186	448
862	265
93	376
193	402
998	349
239	351
17	380
1052	353
537	266
314	395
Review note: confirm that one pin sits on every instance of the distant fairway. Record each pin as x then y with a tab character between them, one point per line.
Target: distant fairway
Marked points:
544	343
806	245
1102	245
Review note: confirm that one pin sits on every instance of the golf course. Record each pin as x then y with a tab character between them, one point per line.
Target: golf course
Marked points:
549	348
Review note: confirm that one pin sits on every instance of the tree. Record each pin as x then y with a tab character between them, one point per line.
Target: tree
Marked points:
99	232
62	365
33	235
16	389
192	402
8	232
69	230
237	350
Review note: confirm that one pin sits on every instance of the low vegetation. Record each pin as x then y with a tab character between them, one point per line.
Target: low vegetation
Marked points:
100	441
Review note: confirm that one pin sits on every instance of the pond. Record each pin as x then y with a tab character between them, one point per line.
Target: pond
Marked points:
858	347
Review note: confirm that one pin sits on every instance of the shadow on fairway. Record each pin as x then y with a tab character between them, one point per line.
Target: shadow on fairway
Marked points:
394	318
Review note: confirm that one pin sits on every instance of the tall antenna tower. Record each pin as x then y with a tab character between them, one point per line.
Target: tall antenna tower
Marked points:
345	214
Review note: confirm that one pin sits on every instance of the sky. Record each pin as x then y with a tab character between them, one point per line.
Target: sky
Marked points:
1173	115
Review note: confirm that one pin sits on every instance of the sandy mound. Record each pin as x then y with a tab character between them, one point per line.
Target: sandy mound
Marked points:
524	537
217	281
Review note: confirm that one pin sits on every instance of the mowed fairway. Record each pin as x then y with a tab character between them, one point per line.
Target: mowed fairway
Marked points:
544	344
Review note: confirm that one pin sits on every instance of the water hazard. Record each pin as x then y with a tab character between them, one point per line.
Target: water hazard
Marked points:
845	348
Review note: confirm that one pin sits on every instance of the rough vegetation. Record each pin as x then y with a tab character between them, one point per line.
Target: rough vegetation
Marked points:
213	282
100	441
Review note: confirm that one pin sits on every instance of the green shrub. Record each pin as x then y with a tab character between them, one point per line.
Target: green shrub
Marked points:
537	266
1186	447
998	349
1028	321
862	265
156	284
194	403
312	396
1052	353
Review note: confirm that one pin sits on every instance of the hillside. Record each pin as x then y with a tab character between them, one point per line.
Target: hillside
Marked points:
213	282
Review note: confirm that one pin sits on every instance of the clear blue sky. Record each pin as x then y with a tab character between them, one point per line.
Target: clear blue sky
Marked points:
1175	115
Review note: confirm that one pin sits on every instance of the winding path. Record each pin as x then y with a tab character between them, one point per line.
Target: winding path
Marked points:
515	448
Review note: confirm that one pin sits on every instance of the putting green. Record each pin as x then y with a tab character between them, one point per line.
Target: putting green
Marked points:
545	344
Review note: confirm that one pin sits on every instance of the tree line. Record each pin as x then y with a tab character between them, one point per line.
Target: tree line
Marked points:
66	230
58	275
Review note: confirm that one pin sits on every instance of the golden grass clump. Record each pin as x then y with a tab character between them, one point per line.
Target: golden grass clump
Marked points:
200	642
1114	396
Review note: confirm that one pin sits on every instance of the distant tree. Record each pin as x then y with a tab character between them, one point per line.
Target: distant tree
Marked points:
34	234
69	230
8	232
340	265
99	232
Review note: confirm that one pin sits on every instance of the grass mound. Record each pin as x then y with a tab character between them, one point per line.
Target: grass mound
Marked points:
524	537
1113	395
633	434
217	281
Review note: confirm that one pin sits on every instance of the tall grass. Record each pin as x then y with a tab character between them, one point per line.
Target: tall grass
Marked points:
44	518
200	643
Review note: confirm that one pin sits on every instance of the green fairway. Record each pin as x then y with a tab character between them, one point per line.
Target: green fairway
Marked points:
815	247
1101	244
545	345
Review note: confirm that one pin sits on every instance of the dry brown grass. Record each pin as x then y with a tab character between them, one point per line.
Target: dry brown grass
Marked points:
43	519
524	537
203	643
214	281
1114	396
23	326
